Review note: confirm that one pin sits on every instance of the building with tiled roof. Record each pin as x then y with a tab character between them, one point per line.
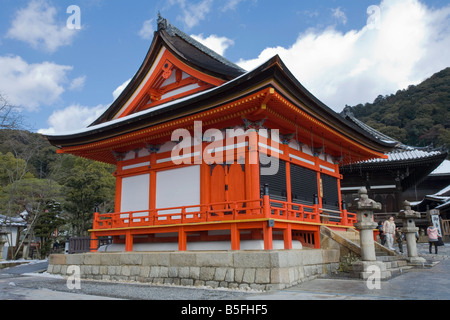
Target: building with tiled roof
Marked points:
195	138
393	179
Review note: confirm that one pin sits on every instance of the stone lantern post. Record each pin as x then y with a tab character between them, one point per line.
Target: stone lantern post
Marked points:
409	229
365	208
365	224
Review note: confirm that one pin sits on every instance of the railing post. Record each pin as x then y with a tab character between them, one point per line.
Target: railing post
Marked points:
344	214
316	207
266	201
96	223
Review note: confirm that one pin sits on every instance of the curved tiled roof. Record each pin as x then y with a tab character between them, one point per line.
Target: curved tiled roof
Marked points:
402	152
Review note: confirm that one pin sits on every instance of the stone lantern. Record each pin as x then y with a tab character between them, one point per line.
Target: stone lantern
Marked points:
409	229
365	208
366	224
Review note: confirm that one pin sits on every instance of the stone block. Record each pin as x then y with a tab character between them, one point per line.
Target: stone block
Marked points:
95	270
92	259
238	274
110	259
131	259
156	259
207	273
57	259
125	271
144	272
194	273
199	283
155	272
220	274
214	259
249	275
229	276
86	270
187	282
212	284
164	272
330	256
182	259
279	275
103	270
183	272
173	272
57	269
312	257
262	275
252	259
74	259
285	258
135	271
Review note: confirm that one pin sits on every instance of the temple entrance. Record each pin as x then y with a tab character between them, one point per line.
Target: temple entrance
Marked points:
227	185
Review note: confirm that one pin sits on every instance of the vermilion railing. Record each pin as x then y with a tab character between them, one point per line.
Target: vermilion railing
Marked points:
223	211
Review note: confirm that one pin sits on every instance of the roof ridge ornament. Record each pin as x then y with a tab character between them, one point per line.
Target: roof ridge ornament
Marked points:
162	22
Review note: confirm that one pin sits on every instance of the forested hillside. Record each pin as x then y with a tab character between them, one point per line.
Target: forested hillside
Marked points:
59	192
417	116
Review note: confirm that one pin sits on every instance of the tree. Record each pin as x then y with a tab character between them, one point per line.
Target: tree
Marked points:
416	116
47	223
10	117
87	184
35	196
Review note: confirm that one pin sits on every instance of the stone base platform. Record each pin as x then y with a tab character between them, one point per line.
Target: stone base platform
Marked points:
259	270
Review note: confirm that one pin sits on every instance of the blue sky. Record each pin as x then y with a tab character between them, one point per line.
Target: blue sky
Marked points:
339	50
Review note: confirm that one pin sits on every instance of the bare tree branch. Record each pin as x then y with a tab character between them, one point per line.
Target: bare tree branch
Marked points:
10	116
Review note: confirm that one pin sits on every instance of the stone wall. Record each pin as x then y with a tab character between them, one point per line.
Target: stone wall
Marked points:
259	270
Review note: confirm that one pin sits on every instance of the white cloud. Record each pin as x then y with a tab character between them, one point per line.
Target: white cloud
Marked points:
192	13
215	43
410	43
36	25
120	88
77	83
147	30
72	118
76	117
339	15
231	4
31	85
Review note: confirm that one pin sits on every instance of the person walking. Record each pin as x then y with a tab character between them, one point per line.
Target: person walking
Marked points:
389	231
399	239
381	234
433	237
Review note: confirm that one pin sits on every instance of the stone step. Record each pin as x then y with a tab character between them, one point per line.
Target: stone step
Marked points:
385	258
398	270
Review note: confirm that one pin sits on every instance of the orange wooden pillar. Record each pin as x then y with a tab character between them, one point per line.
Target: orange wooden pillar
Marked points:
268	236
182	240
287	237
267	225
128	242
235	238
94	242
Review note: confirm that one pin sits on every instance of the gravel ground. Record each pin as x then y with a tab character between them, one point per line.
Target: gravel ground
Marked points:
129	291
